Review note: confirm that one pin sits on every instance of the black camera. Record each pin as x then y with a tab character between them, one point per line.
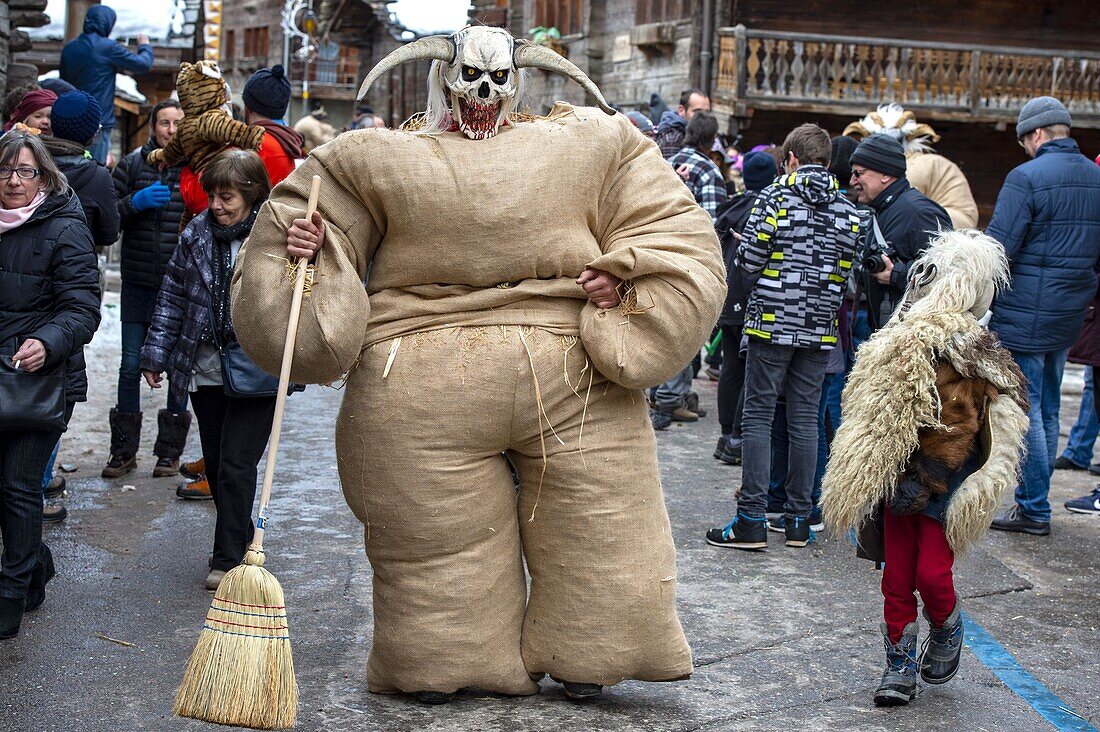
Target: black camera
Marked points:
872	261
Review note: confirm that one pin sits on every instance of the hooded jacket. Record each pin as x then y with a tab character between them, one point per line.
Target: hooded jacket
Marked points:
92	184
90	61
800	237
49	287
148	237
1048	219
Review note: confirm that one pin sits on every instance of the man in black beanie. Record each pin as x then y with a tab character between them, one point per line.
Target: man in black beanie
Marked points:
906	218
266	96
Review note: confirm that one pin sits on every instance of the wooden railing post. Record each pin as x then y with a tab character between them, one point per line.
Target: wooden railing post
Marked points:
975	80
740	35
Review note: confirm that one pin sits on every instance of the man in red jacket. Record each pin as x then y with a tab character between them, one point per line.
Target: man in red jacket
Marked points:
266	96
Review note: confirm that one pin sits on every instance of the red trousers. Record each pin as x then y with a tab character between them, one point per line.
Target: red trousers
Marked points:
918	559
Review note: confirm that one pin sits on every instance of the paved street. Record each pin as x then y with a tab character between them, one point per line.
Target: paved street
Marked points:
782	640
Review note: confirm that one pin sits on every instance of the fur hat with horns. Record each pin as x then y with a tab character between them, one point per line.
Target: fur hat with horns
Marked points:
892	119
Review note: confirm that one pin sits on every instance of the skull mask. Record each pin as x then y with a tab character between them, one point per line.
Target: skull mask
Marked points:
476	81
481	81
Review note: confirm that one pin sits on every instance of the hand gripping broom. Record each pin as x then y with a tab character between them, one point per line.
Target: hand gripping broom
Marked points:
241	672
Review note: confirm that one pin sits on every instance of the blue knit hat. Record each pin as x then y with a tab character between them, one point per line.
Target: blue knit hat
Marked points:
267	92
758	170
1042	112
75	117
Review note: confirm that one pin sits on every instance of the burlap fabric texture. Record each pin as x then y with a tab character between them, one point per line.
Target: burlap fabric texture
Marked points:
470	250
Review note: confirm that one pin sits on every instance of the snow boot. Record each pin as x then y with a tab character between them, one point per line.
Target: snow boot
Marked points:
171	438
939	658
125	436
899	680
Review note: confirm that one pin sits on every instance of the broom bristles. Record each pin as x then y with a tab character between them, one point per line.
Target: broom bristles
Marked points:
242	672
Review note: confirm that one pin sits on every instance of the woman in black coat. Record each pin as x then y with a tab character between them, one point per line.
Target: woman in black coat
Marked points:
49	309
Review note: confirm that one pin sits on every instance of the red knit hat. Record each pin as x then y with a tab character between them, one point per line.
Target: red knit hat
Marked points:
31	102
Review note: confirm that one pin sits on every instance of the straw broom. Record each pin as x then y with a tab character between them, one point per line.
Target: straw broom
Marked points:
241	672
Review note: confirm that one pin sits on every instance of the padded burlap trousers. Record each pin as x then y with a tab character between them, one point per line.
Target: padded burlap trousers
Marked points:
421	437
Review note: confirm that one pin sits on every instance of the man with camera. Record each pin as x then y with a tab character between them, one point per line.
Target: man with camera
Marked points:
905	221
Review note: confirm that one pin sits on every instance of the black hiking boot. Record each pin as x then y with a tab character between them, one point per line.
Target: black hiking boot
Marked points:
899	680
939	660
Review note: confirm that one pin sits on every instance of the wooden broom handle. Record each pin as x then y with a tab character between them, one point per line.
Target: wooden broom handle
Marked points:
284	374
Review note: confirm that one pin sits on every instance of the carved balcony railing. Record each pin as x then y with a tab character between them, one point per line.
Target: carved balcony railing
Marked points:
333	78
847	74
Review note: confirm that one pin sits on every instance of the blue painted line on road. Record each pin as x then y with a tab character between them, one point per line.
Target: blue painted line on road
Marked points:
1020	682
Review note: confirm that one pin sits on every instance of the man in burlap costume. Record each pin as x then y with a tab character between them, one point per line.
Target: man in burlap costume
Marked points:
492	244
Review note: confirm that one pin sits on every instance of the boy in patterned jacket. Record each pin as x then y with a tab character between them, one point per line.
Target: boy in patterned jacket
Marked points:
800	238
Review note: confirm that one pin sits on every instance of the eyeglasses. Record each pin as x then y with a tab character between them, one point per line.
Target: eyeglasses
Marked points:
1020	140
856	173
24	173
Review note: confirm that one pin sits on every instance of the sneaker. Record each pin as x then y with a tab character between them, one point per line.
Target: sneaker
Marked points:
193	470
899	680
744	532
196	490
776	522
1085	504
1094	469
55	488
732	454
722	442
119	466
1064	463
798	531
713	373
661	420
165	467
1013	520
581	692
939	658
214	579
54	512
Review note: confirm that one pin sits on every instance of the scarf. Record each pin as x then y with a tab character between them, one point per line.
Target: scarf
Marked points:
221	274
13	218
290	140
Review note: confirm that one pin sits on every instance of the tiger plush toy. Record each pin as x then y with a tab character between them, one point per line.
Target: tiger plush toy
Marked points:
206	127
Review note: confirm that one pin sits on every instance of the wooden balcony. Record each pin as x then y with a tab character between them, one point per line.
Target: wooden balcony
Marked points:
849	75
328	79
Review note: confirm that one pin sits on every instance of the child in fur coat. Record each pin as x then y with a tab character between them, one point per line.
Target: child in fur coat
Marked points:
935	417
205	130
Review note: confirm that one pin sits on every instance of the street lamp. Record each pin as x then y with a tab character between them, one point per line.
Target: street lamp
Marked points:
299	21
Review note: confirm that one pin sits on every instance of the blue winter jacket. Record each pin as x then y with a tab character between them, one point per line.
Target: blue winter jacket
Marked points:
90	61
1048	219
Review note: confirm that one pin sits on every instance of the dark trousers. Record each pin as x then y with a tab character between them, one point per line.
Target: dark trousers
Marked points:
233	432
768	367
828	422
731	381
23	458
129	372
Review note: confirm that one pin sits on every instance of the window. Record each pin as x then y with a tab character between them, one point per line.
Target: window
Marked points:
661	11
256	41
229	46
565	15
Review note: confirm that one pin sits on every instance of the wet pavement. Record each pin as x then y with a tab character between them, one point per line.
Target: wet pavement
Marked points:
782	640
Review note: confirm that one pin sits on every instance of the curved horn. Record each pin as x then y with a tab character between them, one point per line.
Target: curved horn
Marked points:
440	48
530	55
856	128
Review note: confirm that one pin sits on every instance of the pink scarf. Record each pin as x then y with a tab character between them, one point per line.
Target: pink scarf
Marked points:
13	218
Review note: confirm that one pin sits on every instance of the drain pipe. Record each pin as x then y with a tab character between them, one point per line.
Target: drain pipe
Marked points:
706	46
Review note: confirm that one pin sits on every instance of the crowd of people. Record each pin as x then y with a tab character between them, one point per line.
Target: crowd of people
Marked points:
819	235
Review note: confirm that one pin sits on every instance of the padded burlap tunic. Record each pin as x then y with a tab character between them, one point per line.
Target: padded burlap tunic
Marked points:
472	341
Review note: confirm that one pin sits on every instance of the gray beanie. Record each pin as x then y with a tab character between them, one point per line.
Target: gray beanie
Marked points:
881	153
1041	112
